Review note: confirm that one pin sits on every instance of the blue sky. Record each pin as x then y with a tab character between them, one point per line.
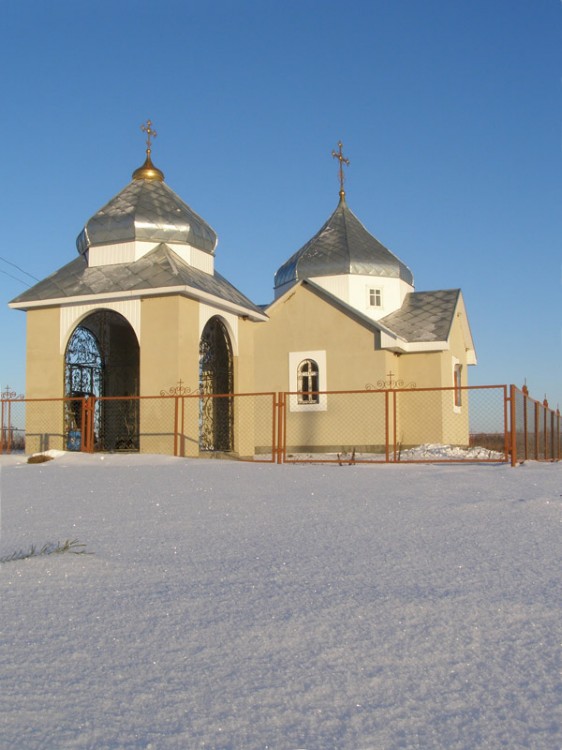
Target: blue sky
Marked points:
450	114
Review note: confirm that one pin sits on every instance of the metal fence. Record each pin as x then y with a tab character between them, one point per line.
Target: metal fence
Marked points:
242	426
476	423
535	432
398	425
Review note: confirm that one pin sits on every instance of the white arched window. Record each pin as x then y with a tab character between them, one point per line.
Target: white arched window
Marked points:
307	382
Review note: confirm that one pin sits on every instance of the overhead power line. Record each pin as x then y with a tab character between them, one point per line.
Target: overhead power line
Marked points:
11	275
19	269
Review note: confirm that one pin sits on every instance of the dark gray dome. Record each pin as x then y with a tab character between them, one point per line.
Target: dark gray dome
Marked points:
342	246
147	209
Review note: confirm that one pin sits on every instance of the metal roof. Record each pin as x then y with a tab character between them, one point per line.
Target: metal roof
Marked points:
159	269
147	210
424	316
342	246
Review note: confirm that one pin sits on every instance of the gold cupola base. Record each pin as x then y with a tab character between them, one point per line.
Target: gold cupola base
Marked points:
148	171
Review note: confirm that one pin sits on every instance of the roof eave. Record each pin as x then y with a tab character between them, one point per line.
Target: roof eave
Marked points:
181	290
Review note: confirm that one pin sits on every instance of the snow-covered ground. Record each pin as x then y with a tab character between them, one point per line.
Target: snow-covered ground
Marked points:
430	452
232	606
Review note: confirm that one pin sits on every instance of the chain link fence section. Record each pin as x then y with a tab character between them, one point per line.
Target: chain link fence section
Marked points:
449	424
12	426
396	425
255	434
33	426
241	426
335	426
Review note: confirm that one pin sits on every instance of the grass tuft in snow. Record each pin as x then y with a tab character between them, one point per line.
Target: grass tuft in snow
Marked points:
73	546
39	458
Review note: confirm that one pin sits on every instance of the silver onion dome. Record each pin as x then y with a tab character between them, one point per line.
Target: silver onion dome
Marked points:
147	209
342	246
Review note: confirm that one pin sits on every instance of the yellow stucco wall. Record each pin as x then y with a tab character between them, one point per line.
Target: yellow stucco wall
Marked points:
170	354
169	344
44	421
45	362
302	321
169	360
431	417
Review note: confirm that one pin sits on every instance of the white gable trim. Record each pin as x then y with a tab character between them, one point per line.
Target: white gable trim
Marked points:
129	252
102	300
206	312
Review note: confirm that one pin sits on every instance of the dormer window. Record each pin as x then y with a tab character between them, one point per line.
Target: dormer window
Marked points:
375	297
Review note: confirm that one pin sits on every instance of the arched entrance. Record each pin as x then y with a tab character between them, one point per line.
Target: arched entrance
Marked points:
102	360
216	416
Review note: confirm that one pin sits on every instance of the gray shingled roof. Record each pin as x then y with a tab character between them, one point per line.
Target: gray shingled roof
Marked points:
147	210
158	269
342	246
424	316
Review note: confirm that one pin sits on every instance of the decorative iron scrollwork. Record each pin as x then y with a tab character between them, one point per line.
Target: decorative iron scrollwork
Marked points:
389	384
8	394
180	390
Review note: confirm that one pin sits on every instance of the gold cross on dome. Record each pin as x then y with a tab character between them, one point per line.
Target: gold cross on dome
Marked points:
150	133
342	160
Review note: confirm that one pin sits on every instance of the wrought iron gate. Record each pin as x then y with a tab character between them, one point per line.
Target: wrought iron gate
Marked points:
83	378
101	363
216	415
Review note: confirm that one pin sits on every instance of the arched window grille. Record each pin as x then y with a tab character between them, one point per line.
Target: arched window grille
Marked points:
216	384
307	382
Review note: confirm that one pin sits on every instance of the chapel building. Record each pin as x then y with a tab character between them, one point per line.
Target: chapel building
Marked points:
142	312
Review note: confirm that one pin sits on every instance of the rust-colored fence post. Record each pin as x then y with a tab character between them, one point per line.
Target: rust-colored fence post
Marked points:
182	428
386	427
176	420
78	424
525	391
2	441
558	456
507	428
513	419
552	434
274	421
536	429
87	424
545	428
279	449
82	425
394	427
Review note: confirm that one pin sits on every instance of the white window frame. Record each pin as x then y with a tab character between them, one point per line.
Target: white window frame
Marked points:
457	386
376	292
295	360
